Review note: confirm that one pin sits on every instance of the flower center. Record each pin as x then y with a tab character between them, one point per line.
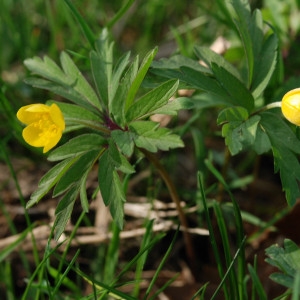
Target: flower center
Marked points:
45	125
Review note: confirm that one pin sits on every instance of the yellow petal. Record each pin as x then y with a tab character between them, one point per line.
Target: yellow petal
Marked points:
290	106
34	136
52	142
57	116
31	113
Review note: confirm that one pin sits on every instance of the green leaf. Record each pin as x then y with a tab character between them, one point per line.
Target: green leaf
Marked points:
236	90
239	135
118	105
73	176
78	82
209	57
84	26
139	78
173	106
262	142
150	136
68	82
265	64
102	67
231	114
110	184
77	115
153	100
242	21
4	253
64	210
286	259
284	146
124	140
48	181
175	63
77	146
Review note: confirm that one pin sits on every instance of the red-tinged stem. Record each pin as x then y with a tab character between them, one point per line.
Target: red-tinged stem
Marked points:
175	198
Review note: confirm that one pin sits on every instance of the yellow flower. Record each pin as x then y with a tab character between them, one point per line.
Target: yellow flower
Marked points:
290	106
45	125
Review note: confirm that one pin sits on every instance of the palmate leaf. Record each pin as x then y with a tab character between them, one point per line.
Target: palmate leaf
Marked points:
67	82
148	135
285	145
286	259
239	135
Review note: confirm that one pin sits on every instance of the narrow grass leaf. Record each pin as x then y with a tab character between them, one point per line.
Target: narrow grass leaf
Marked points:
9	249
233	284
257	283
84	26
160	266
212	236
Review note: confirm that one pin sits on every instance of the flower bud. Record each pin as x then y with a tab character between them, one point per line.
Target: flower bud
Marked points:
290	106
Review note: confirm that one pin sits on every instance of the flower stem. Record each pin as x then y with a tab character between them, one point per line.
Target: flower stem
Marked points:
175	198
268	106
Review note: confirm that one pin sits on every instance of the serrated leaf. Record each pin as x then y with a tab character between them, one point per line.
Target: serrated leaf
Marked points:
64	210
102	66
150	136
292	253
124	140
286	259
239	135
264	65
77	115
209	57
153	100
284	146
77	146
139	77
118	105
262	142
174	105
73	176
48	181
82	193
68	82
110	185
232	114
78	82
236	90
176	62
242	21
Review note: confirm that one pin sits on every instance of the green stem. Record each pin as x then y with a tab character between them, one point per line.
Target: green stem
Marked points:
175	198
268	106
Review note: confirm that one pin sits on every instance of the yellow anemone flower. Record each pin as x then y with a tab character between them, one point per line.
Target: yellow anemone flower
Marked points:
45	125
290	106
